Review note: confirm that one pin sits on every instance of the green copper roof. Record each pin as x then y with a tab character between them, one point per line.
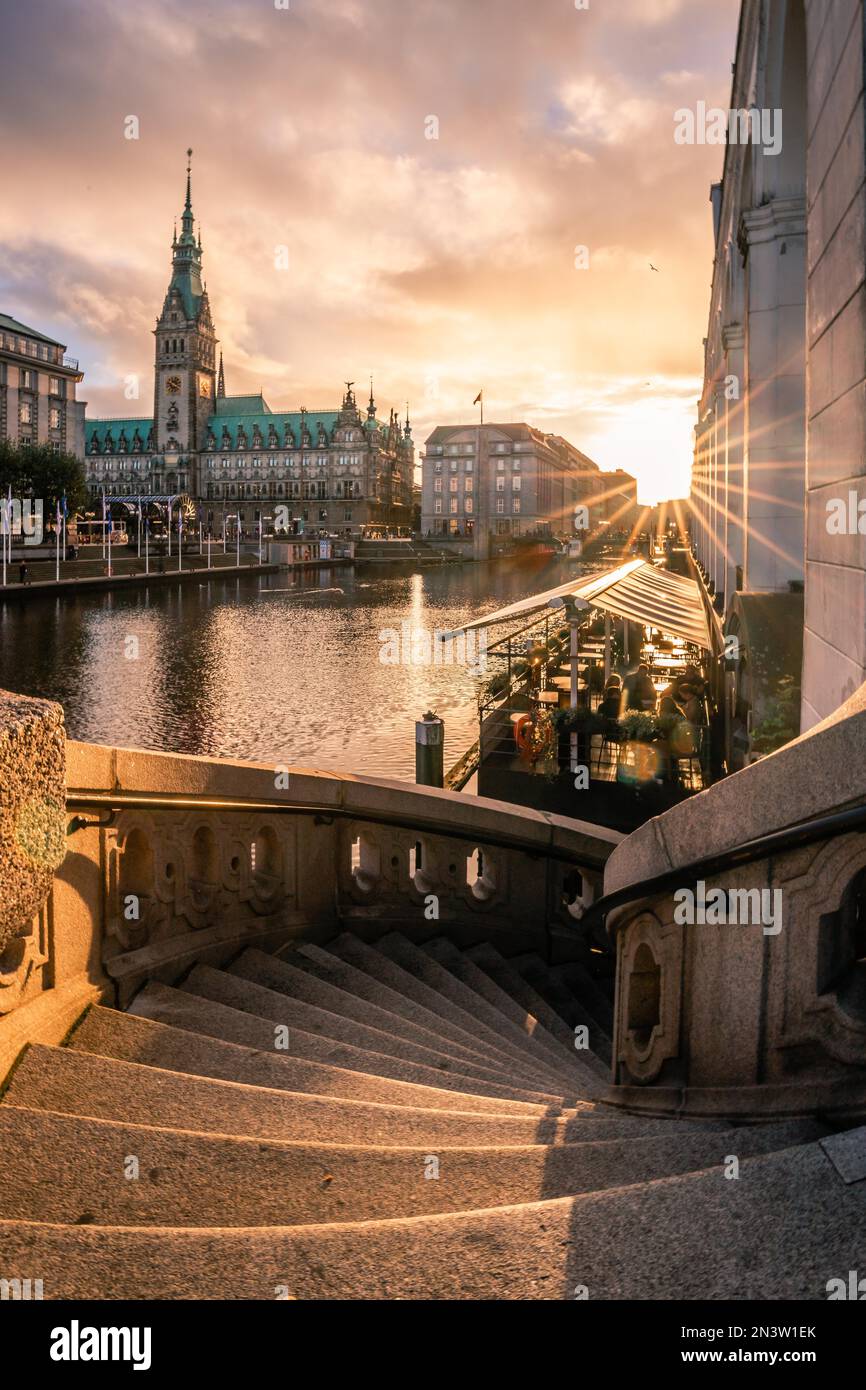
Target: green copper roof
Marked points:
242	405
264	420
186	261
98	429
232	421
10	325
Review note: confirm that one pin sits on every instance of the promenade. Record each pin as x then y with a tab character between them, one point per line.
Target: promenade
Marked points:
89	576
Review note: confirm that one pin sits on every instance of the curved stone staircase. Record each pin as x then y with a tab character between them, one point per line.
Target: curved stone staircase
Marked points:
394	1121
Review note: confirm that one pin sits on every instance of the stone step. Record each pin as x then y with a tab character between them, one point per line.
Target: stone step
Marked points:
129	1038
779	1231
238	993
328	966
82	1083
281	975
419	977
86	1173
580	984
475	979
503	973
551	986
194	1013
418	962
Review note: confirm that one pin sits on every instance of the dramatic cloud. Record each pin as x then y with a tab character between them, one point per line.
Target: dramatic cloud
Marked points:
436	265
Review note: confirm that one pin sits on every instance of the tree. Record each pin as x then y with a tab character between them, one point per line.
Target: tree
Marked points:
781	721
36	471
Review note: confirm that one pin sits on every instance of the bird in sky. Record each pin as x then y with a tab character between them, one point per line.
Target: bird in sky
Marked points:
654	267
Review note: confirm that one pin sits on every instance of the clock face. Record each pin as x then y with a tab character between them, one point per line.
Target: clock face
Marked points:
172	385
204	386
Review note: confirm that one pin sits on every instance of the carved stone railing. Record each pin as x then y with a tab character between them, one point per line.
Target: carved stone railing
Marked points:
32	845
171	860
763	1018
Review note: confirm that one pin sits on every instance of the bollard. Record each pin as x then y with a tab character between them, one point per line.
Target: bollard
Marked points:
429	750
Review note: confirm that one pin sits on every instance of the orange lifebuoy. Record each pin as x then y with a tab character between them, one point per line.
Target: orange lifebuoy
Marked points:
523	733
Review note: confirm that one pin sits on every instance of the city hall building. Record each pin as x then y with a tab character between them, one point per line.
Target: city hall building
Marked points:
220	456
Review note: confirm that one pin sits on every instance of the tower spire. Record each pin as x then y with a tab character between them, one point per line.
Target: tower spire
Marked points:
187	220
221	381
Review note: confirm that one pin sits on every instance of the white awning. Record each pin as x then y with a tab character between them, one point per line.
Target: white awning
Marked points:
637	590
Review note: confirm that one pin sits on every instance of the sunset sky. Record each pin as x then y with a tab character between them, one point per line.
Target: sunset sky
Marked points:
439	266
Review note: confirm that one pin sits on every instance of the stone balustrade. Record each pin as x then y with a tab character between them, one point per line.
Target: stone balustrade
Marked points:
749	1020
161	860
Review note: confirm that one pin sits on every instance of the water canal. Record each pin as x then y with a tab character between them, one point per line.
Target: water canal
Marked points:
282	668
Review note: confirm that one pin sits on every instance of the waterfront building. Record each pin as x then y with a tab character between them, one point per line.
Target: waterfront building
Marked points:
222	456
516	480
782	415
37	390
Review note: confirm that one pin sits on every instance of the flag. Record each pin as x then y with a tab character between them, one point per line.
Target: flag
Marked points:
65	510
479	397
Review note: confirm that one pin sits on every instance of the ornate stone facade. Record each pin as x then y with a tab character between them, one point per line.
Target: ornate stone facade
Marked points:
229	456
779	438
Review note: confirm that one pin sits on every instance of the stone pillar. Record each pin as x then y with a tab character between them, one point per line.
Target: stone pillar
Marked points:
774	464
32	846
32	809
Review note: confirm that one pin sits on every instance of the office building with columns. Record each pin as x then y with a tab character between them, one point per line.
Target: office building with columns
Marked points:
781	427
514	480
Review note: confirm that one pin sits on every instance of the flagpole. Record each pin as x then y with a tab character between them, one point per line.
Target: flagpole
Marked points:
138	552
179	537
260	540
224	533
169	528
146	551
5	523
103	525
208	549
57	539
238	550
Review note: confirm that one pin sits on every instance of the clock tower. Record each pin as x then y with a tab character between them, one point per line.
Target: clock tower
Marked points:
185	365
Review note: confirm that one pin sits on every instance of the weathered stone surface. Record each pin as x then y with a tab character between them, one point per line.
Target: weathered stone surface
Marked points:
32	838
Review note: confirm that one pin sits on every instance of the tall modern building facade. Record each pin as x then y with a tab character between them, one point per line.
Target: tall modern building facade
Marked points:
780	444
338	469
37	390
514	480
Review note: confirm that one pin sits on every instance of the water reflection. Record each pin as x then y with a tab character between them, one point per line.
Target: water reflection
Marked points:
281	668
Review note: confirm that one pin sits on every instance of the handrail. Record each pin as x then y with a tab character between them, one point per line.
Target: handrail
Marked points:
118	801
801	833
